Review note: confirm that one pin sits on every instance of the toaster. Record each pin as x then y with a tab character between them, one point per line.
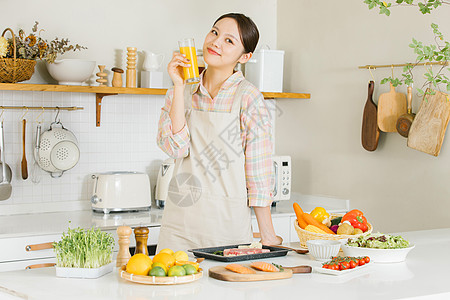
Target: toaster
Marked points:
120	192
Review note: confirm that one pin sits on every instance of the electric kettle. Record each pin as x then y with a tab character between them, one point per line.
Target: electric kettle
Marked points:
162	182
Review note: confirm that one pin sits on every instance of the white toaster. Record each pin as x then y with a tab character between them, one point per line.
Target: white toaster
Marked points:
121	191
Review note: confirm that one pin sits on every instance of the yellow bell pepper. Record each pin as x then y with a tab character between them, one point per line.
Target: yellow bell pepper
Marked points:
320	214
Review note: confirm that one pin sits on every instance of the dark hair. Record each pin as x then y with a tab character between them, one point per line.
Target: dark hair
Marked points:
247	29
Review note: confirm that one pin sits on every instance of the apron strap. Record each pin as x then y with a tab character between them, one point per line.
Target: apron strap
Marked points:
189	90
238	95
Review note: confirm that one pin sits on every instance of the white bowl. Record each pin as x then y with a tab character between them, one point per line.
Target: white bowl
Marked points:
323	250
378	255
71	71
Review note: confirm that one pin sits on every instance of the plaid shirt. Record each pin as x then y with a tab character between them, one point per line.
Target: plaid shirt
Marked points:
255	133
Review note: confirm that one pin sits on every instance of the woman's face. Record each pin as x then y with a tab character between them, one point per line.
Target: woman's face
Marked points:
223	46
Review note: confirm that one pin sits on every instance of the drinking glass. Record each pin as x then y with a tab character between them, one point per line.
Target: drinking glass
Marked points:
191	74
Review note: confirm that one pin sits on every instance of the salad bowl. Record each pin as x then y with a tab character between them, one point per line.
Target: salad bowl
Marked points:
381	248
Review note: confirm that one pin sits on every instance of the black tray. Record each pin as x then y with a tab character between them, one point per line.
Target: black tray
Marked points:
208	253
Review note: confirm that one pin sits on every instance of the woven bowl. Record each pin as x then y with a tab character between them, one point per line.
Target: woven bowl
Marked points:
304	235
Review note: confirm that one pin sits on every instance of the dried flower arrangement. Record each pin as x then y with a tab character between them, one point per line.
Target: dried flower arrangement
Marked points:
33	46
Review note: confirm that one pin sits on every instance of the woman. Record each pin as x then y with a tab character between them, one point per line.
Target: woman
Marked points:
219	133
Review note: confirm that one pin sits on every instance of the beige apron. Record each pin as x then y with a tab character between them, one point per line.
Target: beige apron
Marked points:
207	200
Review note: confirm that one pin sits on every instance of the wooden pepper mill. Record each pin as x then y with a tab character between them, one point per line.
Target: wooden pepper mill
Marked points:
131	67
124	255
117	77
141	235
102	76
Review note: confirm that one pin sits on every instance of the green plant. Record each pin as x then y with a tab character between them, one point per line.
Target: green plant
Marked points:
81	248
425	6
427	54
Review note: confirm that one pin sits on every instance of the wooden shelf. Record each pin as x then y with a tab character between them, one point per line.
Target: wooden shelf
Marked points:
102	91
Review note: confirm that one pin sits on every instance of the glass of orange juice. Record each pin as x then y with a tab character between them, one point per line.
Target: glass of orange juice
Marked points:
187	47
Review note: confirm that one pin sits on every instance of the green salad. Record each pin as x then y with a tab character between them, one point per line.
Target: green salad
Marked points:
379	241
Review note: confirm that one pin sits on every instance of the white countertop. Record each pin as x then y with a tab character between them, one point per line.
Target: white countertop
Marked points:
58	222
424	275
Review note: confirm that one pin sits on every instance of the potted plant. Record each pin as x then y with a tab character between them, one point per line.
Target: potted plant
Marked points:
84	253
18	54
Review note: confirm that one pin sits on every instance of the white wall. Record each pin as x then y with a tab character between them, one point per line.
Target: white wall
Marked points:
325	41
126	139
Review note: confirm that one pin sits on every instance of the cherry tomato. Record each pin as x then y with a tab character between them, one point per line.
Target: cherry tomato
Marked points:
344	265
326	266
352	264
335	267
362	262
366	259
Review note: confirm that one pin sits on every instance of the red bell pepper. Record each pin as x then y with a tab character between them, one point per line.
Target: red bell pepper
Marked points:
356	219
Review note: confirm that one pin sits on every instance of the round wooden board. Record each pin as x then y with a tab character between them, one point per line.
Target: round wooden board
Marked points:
159	280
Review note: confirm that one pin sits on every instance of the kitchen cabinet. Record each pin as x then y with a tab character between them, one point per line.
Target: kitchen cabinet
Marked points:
102	91
21	252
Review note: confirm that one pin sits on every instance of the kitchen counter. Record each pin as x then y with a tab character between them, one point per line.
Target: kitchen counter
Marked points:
424	275
58	222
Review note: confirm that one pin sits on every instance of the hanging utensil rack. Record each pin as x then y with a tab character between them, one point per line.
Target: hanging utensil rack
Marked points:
373	67
69	108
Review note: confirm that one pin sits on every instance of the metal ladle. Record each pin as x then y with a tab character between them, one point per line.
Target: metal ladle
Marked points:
5	184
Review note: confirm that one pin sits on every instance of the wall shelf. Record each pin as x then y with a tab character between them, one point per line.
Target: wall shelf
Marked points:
102	91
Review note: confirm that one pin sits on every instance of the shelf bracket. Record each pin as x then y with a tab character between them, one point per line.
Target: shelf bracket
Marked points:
98	105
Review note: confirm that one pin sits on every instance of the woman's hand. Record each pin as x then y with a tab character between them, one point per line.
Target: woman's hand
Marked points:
175	68
273	241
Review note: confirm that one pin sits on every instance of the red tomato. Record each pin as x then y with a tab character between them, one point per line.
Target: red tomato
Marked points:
326	266
335	267
352	264
344	265
362	262
366	259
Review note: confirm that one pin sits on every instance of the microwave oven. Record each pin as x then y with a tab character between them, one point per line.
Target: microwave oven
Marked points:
282	178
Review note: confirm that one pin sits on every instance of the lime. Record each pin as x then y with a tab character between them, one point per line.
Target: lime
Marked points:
176	271
190	269
158	264
157	271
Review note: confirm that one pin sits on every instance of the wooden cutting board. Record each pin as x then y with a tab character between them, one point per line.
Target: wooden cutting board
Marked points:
428	129
369	131
391	106
219	272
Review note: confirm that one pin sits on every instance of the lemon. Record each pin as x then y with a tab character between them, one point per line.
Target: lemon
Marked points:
158	264
190	269
167	250
181	256
164	258
157	271
139	264
176	271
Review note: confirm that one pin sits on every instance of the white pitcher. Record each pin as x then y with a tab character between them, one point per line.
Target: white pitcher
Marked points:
152	61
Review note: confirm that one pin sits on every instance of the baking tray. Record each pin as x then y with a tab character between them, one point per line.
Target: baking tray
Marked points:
208	253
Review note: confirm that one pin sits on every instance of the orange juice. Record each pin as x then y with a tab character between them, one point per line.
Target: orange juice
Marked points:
191	74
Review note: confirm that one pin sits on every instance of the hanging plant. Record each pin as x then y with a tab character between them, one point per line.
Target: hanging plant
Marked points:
439	52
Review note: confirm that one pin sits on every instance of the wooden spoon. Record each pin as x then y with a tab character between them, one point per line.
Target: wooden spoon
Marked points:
299	251
24	158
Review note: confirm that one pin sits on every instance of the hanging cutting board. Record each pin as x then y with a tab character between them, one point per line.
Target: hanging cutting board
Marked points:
428	129
391	106
219	272
369	131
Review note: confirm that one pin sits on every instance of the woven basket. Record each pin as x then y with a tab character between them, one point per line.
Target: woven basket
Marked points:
14	70
304	235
